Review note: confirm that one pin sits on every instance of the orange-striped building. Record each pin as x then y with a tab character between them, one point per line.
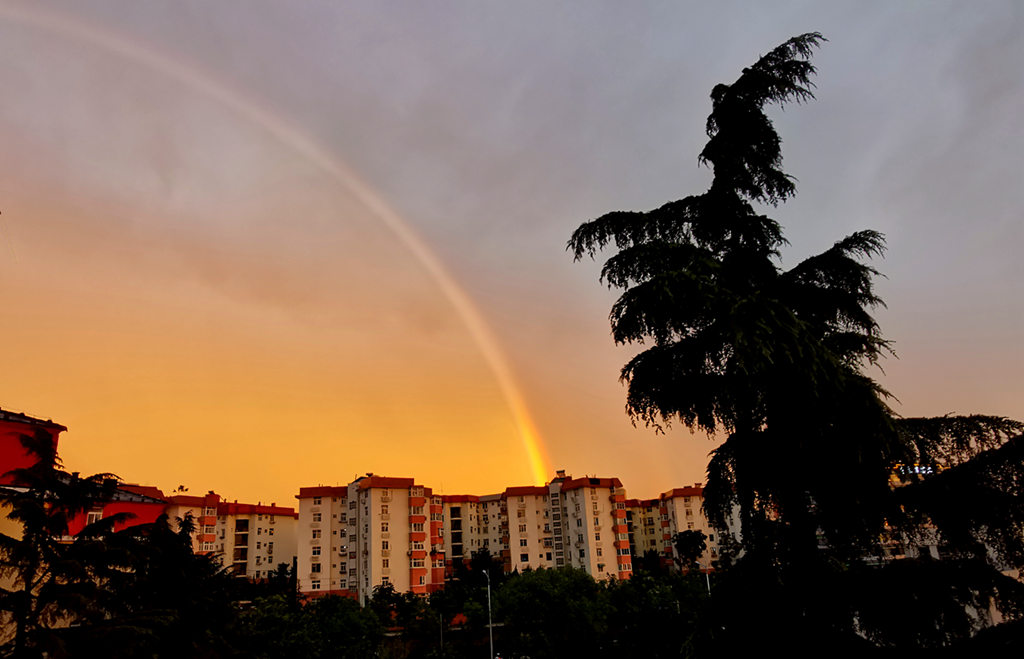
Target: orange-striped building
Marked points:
376	531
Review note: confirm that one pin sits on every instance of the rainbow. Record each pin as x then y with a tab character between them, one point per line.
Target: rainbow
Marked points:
293	138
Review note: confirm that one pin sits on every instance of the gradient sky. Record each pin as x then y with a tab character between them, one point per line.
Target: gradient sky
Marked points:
190	287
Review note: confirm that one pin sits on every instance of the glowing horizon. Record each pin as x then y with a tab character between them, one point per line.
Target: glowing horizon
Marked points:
341	173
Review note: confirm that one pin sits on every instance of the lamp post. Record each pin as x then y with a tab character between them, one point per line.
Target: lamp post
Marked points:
490	626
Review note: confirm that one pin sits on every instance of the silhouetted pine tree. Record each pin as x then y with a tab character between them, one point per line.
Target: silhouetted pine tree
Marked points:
776	359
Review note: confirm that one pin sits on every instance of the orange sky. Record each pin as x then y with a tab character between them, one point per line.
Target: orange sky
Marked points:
190	287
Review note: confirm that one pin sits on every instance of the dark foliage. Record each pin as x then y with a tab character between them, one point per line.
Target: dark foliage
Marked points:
776	361
50	579
690	546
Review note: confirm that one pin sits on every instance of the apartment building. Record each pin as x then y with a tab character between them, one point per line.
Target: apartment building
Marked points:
250	539
493	524
595	536
378	530
462	527
684	507
528	541
12	453
649	529
322	545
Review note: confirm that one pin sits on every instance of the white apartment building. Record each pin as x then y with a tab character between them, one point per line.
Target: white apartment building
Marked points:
684	507
649	529
251	539
592	517
377	530
322	544
529	541
463	529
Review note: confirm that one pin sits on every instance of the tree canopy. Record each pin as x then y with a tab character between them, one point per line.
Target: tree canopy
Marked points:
777	361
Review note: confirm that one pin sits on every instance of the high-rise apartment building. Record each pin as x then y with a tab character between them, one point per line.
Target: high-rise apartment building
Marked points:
595	536
684	507
529	541
250	539
376	531
322	544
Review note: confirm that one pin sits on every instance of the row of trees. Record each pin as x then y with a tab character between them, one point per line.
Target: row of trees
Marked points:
539	614
137	592
776	362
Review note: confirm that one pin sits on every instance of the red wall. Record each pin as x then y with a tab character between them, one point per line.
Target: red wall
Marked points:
12	453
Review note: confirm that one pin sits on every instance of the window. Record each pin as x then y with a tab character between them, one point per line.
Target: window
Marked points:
625	567
384	527
207	546
316	501
94	517
597	521
314	584
316	517
624	551
259	530
422	579
583	554
523	558
598	551
522	542
270	531
384	581
417	562
316	534
316	550
383	509
385	563
522	528
711	537
597	537
579	538
315	567
579	522
384	544
520	513
258	544
418	526
689	526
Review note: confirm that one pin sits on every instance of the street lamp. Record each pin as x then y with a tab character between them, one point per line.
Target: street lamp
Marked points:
490	626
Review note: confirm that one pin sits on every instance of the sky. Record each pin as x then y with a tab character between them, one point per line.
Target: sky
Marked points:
255	246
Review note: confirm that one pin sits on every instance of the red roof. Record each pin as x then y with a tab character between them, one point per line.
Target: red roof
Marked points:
143	490
689	491
188	500
385	481
576	483
17	417
524	490
226	508
322	491
459	498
